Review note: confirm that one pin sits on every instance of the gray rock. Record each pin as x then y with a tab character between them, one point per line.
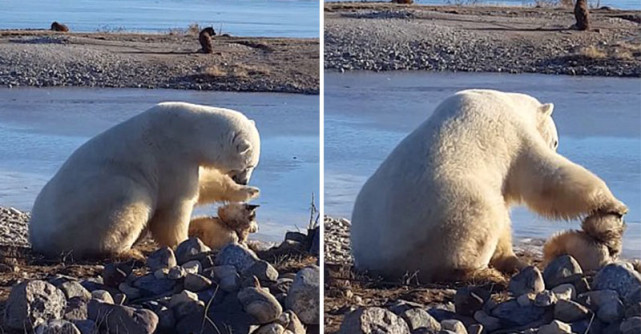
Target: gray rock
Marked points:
545	298
631	326
102	295
290	322
633	310
176	273
617	277
163	258
76	309
512	314
182	297
149	285
264	271
555	327
58	326
582	286
296	236
595	299
373	320
119	319
115	273
528	280
74	289
192	267
228	278
183	310
119	298
611	312
131	292
565	292
236	255
194	282
86	326
476	329
453	325
526	299
190	249
273	328
569	311
417	318
489	323
304	296
468	300
260	304
563	269
633	297
400	305
33	302
166	319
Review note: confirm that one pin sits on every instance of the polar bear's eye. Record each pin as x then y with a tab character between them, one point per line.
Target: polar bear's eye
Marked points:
556	143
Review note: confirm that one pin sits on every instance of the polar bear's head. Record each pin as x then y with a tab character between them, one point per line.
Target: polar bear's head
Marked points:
245	148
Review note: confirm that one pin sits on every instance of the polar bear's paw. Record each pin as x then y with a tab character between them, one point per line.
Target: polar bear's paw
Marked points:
244	194
131	255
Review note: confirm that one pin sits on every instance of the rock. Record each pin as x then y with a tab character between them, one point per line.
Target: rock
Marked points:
512	314
102	295
617	277
182	297
260	304
633	310
569	311
76	309
163	258
476	329
631	326
182	310
228	278
296	236
528	280
373	320
399	306
555	327
194	282
595	299
236	255
489	323
115	273
611	312
417	318
119	298
453	325
190	249
468	300
57	327
272	328
314	248
131	292
166	319
290	322
525	299
151	286
545	298
563	269
229	314
633	297
74	289
582	286
176	273
118	319
282	285
32	303
86	326
192	267
565	292
304	296
264	271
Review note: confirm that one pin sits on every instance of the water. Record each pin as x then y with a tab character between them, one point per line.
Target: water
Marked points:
619	4
285	18
598	119
40	128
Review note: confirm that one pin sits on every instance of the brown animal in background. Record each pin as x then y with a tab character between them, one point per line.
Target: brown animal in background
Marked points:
234	223
582	15
55	26
205	39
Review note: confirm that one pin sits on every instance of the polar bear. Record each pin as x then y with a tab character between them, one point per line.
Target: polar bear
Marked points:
439	204
234	223
146	173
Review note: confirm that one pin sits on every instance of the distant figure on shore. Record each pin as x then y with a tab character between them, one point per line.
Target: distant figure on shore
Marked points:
205	39
55	26
407	2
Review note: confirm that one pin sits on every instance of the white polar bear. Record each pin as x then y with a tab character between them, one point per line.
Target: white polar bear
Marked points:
439	204
146	173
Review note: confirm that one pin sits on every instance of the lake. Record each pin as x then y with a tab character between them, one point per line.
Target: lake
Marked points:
599	122
272	18
41	127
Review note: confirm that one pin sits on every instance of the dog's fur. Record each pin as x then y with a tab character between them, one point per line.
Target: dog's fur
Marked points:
205	39
55	26
234	223
598	243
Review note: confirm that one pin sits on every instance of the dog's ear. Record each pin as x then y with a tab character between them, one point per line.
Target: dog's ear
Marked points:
251	207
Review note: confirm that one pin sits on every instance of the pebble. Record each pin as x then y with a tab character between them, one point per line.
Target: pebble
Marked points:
195	282
260	304
57	327
569	311
563	269
528	280
190	249
417	318
103	296
163	258
565	292
453	325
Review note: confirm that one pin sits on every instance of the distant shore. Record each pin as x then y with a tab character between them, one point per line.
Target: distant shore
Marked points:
41	58
385	36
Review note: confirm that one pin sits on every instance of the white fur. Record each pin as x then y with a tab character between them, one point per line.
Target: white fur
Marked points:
142	174
439	203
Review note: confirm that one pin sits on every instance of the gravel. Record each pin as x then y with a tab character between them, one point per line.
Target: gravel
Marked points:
13	227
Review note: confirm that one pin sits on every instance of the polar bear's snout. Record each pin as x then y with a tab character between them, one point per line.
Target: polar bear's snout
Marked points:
242	177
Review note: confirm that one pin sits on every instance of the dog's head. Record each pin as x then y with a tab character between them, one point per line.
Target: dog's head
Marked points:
238	215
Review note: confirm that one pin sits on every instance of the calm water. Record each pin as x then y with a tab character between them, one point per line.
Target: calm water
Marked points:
620	4
290	18
40	128
598	119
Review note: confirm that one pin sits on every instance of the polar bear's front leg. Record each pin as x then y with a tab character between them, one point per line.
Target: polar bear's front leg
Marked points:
504	259
170	226
214	186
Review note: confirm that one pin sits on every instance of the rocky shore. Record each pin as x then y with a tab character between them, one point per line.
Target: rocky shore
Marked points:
192	289
557	298
38	58
384	36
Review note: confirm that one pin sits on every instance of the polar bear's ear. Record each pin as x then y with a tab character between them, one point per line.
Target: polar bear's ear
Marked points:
243	146
547	109
252	122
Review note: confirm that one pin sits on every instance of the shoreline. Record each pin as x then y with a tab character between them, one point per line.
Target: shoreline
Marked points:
391	37
42	58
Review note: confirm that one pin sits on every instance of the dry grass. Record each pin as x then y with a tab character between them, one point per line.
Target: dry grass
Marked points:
620	51
239	71
192	30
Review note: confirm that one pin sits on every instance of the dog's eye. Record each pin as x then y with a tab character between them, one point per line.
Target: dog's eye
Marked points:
252	216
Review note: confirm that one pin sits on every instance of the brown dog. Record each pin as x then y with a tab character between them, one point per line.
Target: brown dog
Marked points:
205	39
234	223
55	26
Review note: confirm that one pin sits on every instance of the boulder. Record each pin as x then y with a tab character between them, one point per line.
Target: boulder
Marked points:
304	295
32	303
373	320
